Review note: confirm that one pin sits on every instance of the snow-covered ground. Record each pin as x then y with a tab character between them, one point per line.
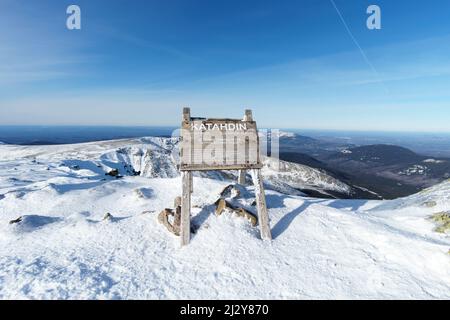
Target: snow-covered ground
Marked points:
63	249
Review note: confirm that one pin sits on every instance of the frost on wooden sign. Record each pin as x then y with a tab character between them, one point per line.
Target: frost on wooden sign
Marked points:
219	144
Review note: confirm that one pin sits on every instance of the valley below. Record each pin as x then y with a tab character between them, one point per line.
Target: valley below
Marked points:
381	171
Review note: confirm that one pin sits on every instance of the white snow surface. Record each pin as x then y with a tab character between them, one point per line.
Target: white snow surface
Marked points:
322	249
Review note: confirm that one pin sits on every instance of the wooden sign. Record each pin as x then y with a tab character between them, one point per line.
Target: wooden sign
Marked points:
220	144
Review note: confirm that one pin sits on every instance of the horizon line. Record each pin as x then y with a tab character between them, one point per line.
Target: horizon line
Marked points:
260	127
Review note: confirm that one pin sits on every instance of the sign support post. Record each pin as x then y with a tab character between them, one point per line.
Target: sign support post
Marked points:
242	173
185	227
263	217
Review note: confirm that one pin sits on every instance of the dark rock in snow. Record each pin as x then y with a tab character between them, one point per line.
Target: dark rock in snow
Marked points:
19	219
108	216
113	173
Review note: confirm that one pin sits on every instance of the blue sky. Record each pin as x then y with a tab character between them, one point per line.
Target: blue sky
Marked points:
293	62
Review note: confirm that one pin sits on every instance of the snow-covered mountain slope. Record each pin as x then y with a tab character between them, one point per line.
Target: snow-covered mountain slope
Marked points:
62	247
155	157
301	177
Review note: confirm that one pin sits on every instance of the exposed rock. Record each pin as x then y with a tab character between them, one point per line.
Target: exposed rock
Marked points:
230	191
175	215
173	227
113	173
223	205
443	221
19	219
108	216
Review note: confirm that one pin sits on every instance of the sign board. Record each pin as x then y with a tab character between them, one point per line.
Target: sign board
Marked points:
219	144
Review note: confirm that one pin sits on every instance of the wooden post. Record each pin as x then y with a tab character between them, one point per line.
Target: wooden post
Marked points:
248	115
186	177
242	173
185	228
186	114
241	177
263	217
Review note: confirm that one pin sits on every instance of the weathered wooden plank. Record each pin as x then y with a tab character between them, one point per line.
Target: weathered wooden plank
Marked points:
219	144
191	180
234	124
248	115
185	227
241	177
200	167
263	216
186	115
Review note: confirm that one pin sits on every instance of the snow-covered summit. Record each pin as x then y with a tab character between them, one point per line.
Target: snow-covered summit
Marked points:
59	246
286	134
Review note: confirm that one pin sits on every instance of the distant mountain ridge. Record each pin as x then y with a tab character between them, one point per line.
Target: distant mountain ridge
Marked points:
379	153
156	157
387	170
316	168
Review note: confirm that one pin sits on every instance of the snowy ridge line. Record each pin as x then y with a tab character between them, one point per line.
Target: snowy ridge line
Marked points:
154	157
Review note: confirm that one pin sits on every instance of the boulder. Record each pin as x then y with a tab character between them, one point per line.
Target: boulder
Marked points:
113	173
173	227
223	205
